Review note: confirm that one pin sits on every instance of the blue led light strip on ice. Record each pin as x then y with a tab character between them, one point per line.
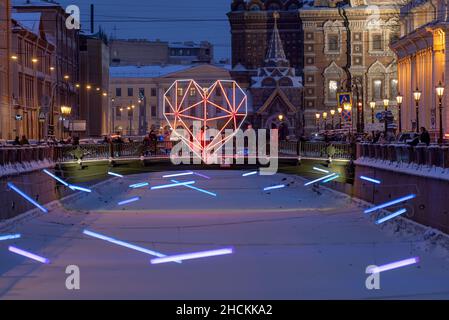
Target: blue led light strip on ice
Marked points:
28	254
121	203
391	216
55	177
24	195
139	185
274	187
10	237
115	174
124	244
370	180
193	255
390	203
197	189
249	174
164	186
318	180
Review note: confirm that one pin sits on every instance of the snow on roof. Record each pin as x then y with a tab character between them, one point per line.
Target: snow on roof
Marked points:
153	71
28	20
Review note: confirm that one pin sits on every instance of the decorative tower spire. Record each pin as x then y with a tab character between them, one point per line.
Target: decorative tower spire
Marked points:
276	54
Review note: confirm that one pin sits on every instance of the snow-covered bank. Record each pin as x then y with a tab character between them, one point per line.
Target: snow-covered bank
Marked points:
295	242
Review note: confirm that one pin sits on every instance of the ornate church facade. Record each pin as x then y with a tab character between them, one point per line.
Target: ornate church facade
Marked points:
332	46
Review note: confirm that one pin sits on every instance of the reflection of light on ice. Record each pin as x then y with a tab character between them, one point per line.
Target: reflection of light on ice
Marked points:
320	179
56	178
370	180
194	255
28	254
79	188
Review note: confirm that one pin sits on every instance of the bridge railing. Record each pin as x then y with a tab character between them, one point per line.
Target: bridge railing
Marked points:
67	153
322	150
433	155
24	154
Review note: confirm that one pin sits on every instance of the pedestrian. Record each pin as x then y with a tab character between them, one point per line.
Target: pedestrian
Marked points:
24	141
425	136
16	141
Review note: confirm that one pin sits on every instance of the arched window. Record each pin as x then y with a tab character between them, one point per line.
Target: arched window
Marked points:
285	82
268	82
254	7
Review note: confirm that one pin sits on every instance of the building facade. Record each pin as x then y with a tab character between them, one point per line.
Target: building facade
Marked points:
142	52
65	67
31	79
137	93
94	85
5	60
276	92
346	49
252	23
422	55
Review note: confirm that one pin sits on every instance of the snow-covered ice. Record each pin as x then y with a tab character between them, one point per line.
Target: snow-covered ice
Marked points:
292	243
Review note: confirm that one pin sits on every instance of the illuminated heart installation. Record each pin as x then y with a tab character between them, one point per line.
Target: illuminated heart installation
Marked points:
222	106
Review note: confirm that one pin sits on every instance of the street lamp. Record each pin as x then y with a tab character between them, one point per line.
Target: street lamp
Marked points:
340	113
281	117
333	115
399	101
372	105
325	120
386	102
318	116
440	92
65	111
417	96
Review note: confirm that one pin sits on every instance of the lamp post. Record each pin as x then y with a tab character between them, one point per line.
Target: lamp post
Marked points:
386	102
325	120
340	113
348	107
440	93
131	116
399	101
318	116
417	96
372	105
333	115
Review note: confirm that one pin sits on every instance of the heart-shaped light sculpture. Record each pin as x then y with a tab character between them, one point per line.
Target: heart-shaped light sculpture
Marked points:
222	106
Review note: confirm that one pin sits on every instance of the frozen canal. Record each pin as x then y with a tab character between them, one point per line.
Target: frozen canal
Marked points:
289	243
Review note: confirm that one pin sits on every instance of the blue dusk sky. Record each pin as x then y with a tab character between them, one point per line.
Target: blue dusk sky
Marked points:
132	19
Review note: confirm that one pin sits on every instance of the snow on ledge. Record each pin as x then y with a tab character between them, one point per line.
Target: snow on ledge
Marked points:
406	168
24	167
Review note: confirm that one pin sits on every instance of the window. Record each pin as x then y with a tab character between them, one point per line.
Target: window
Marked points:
377	89
332	42
118	92
192	92
130	92
393	89
377	42
153	92
141	93
332	92
180	92
153	111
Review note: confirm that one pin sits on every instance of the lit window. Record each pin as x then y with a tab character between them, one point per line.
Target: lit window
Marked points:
333	87
180	91
377	89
